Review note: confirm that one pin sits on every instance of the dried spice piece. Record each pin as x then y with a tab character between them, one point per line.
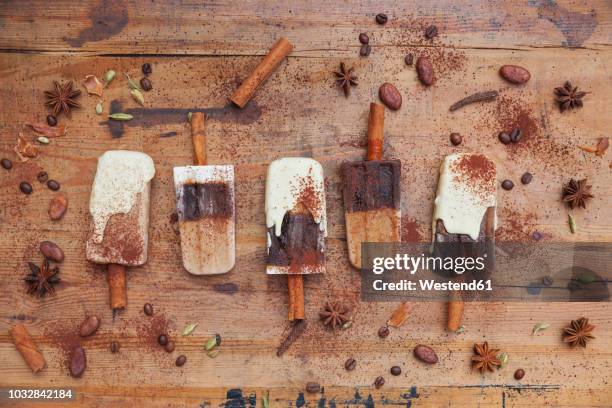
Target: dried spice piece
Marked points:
519	374
51	120
43	140
137	96
538	327
485	358
345	79
109	76
409	59
132	84
600	149
381	18
93	85
62	97
474	98
578	332
25	149
576	192
99	108
503	358
189	329
41	279
145	84
399	315
431	32
49	131
334	315
568	97
572	223
120	116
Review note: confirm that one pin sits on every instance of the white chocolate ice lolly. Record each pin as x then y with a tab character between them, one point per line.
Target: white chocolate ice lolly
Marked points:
466	189
119	206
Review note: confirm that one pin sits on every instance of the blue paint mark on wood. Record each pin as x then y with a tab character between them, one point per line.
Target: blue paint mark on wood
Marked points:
300	401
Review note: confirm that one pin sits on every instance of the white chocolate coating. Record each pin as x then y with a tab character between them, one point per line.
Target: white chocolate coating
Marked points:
461	201
288	178
120	176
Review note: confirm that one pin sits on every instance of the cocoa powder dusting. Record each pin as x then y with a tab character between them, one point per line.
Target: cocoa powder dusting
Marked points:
410	230
150	328
477	171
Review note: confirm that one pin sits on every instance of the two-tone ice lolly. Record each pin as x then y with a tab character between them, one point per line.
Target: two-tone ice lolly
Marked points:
205	206
464	217
119	206
296	223
372	193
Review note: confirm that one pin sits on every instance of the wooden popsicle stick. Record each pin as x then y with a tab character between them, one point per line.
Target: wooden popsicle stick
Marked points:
264	69
117	286
198	120
376	126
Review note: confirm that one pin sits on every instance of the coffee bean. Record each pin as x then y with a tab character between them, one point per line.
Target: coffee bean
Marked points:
51	120
519	374
25	187
51	251
58	206
114	347
169	347
383	332
365	50
147	69
379	382
507	185
455	139
89	326
53	185
504	138
363	38
425	71
516	134
162	339
514	74
42	177
181	360
526	178
350	364
396	370
312	387
426	354
145	84
536	235
148	309
382	18
6	163
390	96
431	32
78	362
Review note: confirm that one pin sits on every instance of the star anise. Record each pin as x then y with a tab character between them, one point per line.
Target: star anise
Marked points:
576	193
578	332
485	358
41	279
334	315
568	96
345	79
62	97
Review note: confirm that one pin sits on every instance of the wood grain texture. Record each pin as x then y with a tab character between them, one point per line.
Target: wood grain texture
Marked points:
299	111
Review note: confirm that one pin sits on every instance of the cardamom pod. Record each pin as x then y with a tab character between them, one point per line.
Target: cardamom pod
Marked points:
572	223
189	114
503	358
109	76
138	96
132	84
538	327
120	116
213	353
211	344
99	108
265	400
189	329
43	140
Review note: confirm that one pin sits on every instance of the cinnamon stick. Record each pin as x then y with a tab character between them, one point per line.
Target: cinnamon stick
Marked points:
376	125
117	286
198	119
27	348
455	312
264	69
295	285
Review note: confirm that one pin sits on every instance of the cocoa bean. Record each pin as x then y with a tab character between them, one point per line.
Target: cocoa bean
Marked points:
425	71
312	387
58	206
89	326
426	354
515	74
78	362
390	96
51	251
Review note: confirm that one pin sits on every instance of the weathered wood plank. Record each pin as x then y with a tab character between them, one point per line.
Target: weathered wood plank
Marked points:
318	28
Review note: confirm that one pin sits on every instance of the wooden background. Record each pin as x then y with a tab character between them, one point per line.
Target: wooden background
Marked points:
200	52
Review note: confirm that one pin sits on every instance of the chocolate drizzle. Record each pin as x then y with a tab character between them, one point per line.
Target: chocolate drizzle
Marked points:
370	185
299	244
200	200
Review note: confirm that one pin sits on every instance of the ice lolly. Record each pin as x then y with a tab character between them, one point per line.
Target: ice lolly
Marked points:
371	191
464	214
296	223
205	206
119	206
